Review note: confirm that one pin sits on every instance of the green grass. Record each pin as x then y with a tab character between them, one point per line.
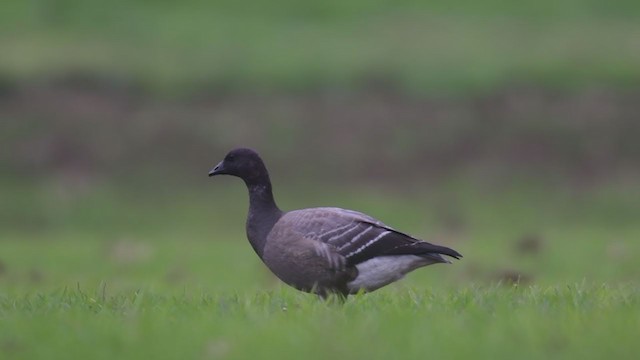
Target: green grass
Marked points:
574	321
111	273
433	47
92	269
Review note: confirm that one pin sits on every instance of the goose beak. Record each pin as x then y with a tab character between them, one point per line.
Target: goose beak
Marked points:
217	170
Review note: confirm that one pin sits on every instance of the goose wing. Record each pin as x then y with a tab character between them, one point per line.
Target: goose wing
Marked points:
347	238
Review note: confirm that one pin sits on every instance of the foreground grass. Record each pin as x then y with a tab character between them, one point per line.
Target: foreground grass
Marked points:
577	321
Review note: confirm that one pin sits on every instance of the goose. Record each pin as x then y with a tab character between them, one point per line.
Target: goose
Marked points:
324	250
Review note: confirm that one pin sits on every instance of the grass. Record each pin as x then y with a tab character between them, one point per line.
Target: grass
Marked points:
91	269
433	47
572	321
116	273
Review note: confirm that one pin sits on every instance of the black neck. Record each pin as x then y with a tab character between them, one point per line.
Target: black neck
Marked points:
263	212
261	197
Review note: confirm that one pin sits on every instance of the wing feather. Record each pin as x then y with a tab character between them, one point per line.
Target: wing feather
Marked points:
347	238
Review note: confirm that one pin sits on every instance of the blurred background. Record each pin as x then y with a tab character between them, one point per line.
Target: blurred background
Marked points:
506	130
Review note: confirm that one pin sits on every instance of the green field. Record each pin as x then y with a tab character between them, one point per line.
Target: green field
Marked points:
435	47
505	130
571	321
111	273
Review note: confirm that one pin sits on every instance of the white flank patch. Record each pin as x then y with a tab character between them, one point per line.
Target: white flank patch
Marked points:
380	271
